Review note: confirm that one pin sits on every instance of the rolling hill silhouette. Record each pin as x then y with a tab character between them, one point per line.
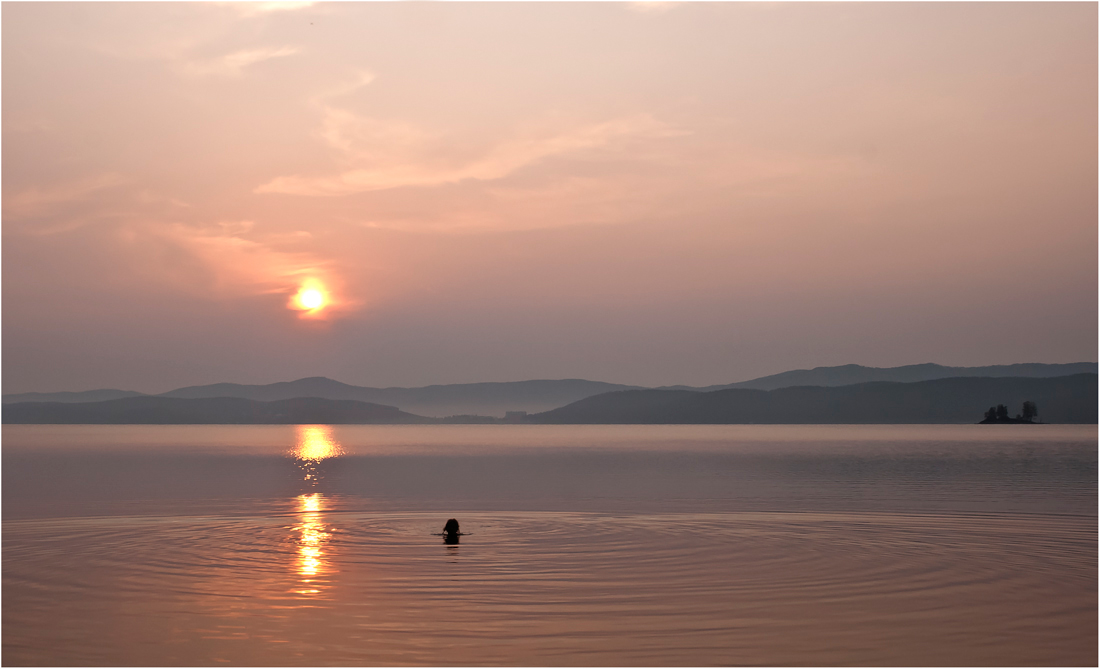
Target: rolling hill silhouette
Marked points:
494	399
846	375
1067	399
212	411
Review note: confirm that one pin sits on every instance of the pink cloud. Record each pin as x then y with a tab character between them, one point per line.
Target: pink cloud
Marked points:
385	155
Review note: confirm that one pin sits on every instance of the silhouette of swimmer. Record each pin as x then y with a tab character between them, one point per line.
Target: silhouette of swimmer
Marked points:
450	532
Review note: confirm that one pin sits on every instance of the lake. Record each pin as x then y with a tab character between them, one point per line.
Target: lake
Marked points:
582	545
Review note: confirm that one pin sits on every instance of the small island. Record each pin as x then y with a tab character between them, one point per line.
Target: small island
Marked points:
999	415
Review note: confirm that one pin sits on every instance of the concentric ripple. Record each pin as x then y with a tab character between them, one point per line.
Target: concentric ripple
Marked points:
551	588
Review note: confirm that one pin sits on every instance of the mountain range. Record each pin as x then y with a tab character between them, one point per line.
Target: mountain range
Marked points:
1065	399
846	375
494	399
147	410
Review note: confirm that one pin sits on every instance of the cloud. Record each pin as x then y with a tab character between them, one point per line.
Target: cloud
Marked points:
249	9
651	6
237	264
233	64
363	78
383	154
230	260
39	201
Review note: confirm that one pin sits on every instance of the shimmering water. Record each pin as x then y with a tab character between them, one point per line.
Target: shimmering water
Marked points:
593	545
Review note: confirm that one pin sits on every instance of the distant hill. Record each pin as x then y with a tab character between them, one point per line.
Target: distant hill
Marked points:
487	399
846	375
494	399
216	411
84	396
1067	399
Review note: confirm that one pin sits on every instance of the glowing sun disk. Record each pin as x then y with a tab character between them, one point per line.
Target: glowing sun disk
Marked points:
310	299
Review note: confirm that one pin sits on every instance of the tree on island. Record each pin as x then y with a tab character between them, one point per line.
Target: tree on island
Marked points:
999	414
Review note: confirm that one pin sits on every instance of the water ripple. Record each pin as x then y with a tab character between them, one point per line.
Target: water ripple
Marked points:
557	588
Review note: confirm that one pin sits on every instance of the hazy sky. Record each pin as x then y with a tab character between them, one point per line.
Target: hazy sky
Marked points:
638	193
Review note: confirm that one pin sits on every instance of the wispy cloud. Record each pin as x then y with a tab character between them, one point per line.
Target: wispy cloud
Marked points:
42	200
384	155
248	9
240	264
233	64
363	78
237	261
651	6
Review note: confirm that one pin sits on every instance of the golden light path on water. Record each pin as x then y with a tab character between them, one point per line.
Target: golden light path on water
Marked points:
311	537
314	444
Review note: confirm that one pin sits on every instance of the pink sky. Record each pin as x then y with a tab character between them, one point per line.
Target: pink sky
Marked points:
638	193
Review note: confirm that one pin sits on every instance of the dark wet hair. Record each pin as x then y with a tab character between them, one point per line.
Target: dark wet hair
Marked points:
451	527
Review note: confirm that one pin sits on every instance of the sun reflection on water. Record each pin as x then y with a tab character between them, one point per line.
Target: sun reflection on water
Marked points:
314	444
312	536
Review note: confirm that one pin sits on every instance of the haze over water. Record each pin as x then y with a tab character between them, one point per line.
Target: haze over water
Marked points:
275	545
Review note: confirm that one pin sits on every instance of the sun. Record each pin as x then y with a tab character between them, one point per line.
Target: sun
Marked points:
311	298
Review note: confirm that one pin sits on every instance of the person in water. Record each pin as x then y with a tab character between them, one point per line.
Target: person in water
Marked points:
450	532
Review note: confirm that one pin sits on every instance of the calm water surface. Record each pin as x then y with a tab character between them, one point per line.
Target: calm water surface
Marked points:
590	545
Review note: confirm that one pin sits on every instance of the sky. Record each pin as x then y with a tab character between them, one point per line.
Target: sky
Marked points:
643	193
